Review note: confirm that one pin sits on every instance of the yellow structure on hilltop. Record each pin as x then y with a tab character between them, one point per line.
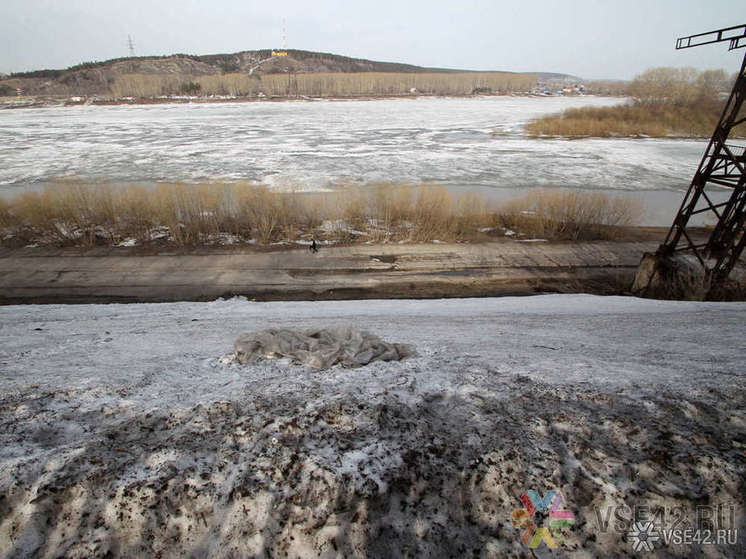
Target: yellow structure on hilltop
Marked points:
279	53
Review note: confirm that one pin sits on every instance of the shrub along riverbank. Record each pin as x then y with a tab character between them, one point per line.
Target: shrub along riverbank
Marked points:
664	102
189	215
655	120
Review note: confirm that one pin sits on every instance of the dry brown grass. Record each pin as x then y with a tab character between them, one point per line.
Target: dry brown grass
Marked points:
570	214
6	217
635	119
189	215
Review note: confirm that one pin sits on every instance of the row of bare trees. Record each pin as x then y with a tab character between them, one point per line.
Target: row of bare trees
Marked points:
682	102
324	84
679	85
667	85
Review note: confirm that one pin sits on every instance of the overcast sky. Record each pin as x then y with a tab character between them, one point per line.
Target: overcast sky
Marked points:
588	38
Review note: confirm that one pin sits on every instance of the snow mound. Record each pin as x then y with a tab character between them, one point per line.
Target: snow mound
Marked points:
318	348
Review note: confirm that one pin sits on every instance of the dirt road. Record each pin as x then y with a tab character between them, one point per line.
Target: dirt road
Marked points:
36	275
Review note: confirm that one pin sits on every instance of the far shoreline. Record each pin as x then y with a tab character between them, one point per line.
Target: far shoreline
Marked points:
65	101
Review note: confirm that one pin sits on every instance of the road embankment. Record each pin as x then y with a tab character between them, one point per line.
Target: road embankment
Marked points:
36	275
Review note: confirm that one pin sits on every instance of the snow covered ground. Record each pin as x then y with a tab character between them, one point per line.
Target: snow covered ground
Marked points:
123	433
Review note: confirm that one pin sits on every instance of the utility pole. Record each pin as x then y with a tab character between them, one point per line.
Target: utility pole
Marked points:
131	46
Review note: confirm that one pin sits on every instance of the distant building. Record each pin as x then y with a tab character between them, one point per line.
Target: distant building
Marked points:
279	53
555	88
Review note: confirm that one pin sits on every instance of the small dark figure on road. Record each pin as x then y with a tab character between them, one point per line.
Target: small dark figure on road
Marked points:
314	247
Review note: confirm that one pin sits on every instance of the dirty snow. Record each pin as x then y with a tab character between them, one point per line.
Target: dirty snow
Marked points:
123	434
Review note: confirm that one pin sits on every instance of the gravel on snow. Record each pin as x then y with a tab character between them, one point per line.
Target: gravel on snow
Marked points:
123	433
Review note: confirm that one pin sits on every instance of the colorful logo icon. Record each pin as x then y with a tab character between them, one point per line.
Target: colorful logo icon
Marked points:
559	518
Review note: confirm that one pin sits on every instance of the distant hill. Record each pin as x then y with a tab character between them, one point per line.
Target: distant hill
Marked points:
553	77
97	77
299	60
186	73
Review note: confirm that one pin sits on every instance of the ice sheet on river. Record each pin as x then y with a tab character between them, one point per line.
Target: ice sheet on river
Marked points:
458	142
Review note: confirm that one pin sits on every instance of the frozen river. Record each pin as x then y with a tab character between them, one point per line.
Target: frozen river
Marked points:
458	142
462	141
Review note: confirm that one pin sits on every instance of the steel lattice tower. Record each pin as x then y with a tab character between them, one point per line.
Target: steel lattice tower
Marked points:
723	166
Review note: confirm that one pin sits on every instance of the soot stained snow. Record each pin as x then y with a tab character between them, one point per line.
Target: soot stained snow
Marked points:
122	433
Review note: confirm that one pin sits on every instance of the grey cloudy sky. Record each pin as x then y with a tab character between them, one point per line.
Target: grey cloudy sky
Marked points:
589	38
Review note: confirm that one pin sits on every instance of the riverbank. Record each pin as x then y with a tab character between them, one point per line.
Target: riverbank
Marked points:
637	120
77	101
239	213
412	270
